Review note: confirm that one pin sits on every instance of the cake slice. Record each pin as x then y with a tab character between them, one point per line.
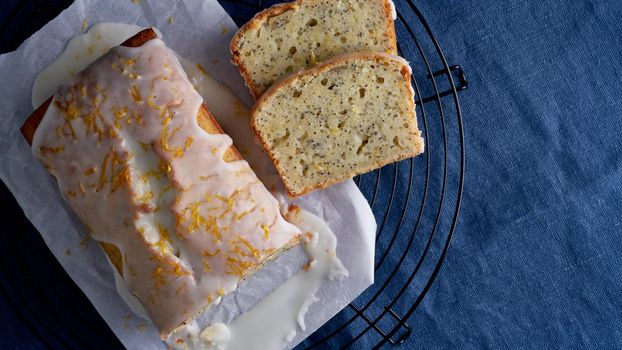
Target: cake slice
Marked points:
351	115
288	37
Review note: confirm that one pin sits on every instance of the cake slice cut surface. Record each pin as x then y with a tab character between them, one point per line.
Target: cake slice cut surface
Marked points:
347	117
288	37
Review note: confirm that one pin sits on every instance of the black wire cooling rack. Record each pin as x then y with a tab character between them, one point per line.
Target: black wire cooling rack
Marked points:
416	203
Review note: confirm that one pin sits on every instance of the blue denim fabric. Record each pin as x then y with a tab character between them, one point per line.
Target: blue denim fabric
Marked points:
536	259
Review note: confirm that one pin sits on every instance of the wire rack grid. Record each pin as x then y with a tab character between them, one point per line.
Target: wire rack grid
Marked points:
416	203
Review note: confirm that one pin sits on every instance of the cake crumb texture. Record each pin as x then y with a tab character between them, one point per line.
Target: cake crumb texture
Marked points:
289	37
328	124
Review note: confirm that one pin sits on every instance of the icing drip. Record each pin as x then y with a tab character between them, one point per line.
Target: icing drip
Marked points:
80	51
123	141
285	307
393	10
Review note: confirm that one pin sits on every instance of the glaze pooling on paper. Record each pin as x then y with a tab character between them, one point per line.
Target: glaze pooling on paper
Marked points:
285	307
80	51
123	141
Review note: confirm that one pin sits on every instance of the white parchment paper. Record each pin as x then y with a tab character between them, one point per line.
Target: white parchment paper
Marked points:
199	30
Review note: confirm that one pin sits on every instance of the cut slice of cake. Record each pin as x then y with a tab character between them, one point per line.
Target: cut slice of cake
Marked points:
346	117
288	37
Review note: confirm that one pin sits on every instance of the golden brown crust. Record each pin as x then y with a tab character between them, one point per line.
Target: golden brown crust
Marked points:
114	255
30	125
140	38
260	18
390	29
256	21
208	123
329	64
204	118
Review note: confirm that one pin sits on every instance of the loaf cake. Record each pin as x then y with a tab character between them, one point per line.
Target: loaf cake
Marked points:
288	37
150	173
348	116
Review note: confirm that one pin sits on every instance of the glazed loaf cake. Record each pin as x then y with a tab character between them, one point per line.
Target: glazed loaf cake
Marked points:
149	172
327	124
288	37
